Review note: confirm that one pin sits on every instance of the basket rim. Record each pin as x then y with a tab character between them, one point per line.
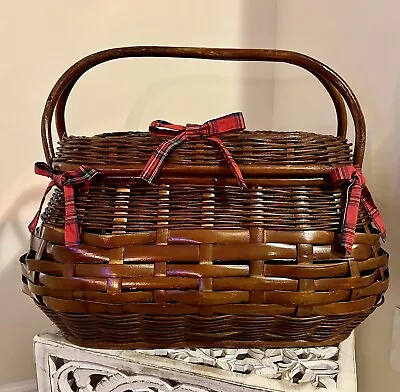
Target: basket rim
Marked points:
282	133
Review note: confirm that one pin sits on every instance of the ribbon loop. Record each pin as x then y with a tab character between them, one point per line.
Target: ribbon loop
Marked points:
68	182
209	130
357	193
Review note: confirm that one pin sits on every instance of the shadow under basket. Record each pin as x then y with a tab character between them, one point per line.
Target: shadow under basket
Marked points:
194	260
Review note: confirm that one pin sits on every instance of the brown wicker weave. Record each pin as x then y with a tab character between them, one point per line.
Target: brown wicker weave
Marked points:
194	260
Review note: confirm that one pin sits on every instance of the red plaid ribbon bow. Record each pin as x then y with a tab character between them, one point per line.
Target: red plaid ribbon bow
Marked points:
357	192
79	179
180	134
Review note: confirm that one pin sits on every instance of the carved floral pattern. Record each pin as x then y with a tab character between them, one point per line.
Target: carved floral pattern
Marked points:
79	376
317	366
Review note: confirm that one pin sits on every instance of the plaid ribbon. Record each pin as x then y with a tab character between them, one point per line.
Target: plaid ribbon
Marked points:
180	134
356	192
79	179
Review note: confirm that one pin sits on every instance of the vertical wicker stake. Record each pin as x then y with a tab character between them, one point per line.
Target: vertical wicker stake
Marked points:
163	206
207	207
256	236
205	284
160	268
121	210
206	250
305	256
35	276
116	255
383	271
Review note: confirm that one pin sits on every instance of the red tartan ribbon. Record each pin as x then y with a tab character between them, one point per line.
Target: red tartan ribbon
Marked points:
68	182
357	192
180	134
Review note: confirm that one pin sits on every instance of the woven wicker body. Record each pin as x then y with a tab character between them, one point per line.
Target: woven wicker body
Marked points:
195	260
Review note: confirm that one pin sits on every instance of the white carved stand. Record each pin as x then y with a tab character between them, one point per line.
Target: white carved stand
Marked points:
64	367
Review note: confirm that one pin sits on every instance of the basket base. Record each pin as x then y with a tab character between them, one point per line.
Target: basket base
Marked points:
135	331
204	344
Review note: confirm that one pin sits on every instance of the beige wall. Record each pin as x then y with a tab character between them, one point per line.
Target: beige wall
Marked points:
40	39
360	40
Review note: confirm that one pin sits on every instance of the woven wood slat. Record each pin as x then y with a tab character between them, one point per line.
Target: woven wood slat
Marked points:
79	307
326	276
296	271
55	235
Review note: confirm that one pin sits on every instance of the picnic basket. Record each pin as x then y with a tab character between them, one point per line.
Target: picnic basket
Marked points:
206	236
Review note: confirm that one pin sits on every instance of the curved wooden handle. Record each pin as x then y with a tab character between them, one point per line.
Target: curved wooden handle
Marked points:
337	100
335	85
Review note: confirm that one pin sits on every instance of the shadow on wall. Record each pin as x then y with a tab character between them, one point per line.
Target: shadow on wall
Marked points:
20	319
152	99
257	95
272	91
377	329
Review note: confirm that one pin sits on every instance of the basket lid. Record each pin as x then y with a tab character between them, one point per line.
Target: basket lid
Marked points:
256	149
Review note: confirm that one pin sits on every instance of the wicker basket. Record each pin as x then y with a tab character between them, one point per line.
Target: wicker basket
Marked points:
194	260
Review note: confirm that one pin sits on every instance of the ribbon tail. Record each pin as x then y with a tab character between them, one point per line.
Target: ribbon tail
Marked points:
43	169
228	123
373	212
351	216
32	226
154	164
71	228
231	162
